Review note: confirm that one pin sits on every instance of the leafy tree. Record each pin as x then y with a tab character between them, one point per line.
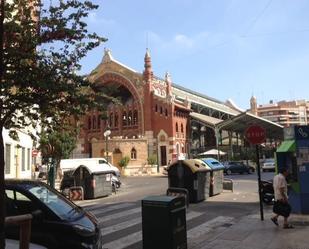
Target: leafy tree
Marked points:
152	159
123	163
41	45
63	142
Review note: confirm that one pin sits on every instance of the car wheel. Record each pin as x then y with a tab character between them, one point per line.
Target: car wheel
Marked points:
228	172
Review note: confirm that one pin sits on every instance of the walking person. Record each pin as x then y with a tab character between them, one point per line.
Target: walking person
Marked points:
281	204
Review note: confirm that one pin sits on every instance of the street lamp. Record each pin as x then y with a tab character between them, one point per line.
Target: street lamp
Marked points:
106	134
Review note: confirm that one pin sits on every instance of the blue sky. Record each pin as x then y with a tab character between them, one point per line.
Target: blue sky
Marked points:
226	49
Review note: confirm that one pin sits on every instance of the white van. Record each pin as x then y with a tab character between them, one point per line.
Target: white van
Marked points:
91	163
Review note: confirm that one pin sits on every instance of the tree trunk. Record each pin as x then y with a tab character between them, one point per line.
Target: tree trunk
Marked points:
2	199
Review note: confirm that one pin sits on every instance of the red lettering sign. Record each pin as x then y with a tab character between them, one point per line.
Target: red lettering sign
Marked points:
255	134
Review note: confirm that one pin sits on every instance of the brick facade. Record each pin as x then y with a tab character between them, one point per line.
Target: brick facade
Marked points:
150	121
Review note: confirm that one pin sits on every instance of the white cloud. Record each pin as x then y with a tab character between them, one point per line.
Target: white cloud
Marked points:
95	19
178	42
184	41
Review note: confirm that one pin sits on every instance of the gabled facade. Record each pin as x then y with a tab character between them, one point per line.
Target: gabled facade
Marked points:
150	122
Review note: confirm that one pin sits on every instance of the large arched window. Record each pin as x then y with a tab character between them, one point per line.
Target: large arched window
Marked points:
116	120
156	109
181	128
94	122
166	113
99	122
111	119
133	153
89	123
177	148
135	118
130	118
161	110
176	127
124	119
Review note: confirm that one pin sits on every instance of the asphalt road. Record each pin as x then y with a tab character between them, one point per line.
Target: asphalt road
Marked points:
120	220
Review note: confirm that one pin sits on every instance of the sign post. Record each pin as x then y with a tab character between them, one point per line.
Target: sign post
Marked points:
257	135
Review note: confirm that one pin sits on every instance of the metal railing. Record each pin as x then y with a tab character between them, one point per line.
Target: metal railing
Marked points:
24	223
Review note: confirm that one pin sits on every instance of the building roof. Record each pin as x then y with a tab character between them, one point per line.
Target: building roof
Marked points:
242	121
195	97
209	121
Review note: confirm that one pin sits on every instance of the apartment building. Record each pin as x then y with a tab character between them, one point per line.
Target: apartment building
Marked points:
285	113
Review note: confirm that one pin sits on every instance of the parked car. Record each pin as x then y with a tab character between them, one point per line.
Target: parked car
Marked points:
268	165
57	222
237	167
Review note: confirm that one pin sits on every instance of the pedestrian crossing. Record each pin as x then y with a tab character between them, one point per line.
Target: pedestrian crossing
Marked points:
121	224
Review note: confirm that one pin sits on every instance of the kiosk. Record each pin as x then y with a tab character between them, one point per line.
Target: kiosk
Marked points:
293	154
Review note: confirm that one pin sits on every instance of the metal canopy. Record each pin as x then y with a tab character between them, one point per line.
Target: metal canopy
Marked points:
242	121
206	120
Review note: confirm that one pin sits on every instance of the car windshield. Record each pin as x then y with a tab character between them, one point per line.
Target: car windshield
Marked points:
56	203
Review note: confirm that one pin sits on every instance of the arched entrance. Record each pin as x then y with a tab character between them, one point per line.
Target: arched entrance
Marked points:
162	148
117	156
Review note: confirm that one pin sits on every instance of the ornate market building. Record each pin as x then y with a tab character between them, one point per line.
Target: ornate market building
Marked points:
156	118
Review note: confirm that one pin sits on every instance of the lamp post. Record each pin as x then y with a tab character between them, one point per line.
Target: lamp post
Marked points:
106	134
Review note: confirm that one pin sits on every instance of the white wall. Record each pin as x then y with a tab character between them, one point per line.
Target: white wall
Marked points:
20	155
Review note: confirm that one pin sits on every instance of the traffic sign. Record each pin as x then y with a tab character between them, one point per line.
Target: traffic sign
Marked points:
35	153
255	134
76	193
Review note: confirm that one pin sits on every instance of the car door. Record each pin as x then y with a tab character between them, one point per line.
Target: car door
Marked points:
242	167
19	203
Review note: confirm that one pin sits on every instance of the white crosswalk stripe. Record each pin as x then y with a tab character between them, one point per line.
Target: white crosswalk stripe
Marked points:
110	208
137	236
130	223
119	215
193	234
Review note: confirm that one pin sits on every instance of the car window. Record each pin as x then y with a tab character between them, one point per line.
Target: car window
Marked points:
9	194
56	203
17	203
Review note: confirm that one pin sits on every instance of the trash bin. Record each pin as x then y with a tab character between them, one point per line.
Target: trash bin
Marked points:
216	175
191	175
95	182
164	222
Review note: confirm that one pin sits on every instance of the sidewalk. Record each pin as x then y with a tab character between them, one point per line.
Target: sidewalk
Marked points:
252	233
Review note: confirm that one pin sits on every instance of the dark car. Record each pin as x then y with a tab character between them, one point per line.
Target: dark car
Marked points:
57	222
237	167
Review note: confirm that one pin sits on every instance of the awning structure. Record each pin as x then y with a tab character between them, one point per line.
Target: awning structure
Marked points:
287	146
242	121
206	120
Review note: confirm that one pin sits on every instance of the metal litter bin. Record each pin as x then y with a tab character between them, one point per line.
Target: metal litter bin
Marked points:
164	222
216	175
191	175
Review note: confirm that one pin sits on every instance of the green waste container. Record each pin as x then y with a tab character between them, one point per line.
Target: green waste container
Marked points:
164	222
192	175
